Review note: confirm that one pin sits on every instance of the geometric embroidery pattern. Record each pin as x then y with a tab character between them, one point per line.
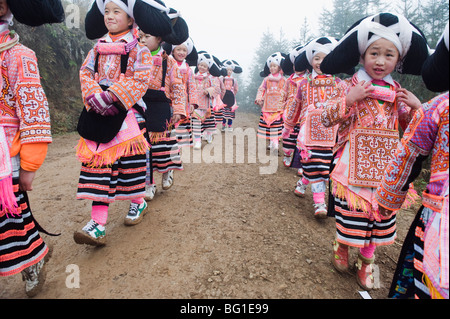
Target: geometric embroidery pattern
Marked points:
316	133
371	151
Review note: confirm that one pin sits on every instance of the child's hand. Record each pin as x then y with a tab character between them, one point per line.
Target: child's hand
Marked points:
385	212
359	92
26	180
405	96
176	118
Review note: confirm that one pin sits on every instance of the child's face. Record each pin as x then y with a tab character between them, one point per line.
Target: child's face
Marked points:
317	61
117	20
230	72
203	67
180	53
274	68
151	42
3	7
380	59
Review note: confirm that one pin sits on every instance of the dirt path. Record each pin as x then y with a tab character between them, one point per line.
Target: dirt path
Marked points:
223	231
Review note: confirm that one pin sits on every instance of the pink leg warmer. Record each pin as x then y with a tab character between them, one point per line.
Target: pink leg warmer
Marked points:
319	198
305	181
368	252
100	214
138	201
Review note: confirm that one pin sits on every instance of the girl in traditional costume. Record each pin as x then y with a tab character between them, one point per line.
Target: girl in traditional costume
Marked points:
209	126
165	108
25	133
207	88
314	141
369	109
229	97
268	96
186	56
114	78
287	96
423	267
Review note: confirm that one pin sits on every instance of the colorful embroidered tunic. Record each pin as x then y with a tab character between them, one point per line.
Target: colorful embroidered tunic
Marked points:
207	88
190	89
427	135
271	122
128	88
25	132
174	88
368	113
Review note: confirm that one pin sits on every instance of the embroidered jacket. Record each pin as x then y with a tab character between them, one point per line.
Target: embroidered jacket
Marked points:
174	88
24	109
206	83
427	135
270	92
129	89
311	91
337	113
230	85
189	87
289	92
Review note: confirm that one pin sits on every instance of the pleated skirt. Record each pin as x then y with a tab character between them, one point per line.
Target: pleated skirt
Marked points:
166	156
184	134
272	131
21	245
355	229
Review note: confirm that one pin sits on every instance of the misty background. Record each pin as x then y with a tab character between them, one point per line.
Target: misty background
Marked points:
246	31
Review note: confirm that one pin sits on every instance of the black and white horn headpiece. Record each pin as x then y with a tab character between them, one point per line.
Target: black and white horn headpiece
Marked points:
35	13
232	64
407	38
435	71
277	58
209	59
288	63
324	44
151	16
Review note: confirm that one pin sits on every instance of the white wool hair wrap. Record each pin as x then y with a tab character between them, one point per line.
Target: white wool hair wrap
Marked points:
276	58
189	44
129	9
400	34
209	61
314	47
295	52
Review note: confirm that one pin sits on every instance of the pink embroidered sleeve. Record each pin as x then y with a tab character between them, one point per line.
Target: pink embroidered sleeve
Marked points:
176	89
262	91
87	78
193	96
336	110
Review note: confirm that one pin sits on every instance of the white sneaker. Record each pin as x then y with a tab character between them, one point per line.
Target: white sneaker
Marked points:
321	211
198	146
34	277
230	129
301	189
223	128
209	138
136	214
150	192
287	161
167	180
92	234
